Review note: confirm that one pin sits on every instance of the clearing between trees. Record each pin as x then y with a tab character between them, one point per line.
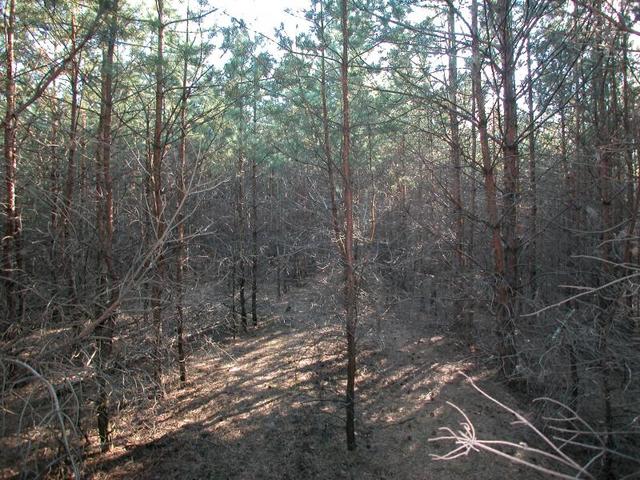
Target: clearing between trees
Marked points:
270	404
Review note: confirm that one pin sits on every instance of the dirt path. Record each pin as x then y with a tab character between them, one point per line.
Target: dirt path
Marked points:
268	406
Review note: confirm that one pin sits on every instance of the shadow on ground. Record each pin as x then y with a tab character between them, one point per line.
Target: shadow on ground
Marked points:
270	407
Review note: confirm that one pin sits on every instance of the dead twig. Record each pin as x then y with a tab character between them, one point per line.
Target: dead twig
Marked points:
467	441
56	408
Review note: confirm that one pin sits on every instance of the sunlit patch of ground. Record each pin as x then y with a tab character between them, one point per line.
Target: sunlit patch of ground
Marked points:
269	406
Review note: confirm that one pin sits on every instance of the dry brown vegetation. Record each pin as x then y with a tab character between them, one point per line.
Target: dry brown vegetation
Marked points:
269	404
211	234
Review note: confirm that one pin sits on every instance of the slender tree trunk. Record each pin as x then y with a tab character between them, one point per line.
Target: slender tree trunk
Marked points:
455	141
241	222
104	201
574	211
79	280
326	140
510	154
158	204
12	231
234	310
254	209
474	185
273	229
488	170
148	222
573	180
67	260
54	194
180	219
460	320
533	181
254	246
633	198
350	294
372	179
601	122
278	273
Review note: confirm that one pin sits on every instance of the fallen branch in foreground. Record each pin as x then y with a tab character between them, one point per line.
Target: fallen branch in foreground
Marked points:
64	437
467	441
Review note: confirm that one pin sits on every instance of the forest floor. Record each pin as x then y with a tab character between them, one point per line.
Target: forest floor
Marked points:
268	405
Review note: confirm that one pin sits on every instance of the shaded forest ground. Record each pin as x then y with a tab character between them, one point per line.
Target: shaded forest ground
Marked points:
268	405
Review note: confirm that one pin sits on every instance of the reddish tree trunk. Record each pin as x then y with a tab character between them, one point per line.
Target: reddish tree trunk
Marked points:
511	177
71	162
11	233
104	213
350	294
488	170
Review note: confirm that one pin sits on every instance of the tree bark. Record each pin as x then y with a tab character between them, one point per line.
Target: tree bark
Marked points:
488	171
460	320
254	207
180	219
533	181
603	159
240	230
326	140
633	197
455	140
12	230
510	154
104	205
54	195
156	186
350	294
67	260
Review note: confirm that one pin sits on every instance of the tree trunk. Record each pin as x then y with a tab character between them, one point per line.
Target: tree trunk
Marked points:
603	159
54	195
488	170
254	209
460	320
510	154
12	230
372	209
232	282
326	140
158	204
533	179
67	260
474	184
633	198
180	219
240	230
350	294
455	141
104	204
